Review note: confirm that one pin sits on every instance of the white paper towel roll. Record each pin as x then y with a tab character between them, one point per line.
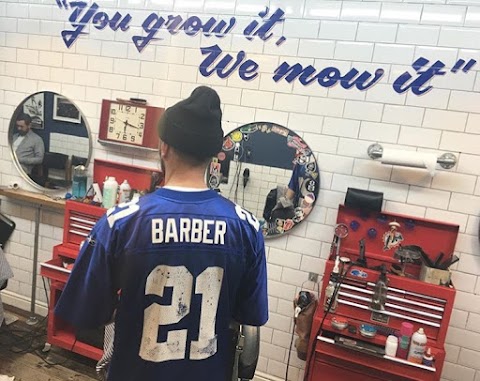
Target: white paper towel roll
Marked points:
410	159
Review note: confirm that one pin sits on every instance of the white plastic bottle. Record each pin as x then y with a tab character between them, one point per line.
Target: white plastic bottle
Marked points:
124	193
417	346
110	191
391	346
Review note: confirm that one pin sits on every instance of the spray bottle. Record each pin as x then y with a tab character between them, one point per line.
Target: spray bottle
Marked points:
417	346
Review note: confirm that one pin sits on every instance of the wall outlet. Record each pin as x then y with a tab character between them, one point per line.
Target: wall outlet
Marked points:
313	277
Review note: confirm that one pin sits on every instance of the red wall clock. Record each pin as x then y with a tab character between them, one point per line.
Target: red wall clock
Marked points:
129	123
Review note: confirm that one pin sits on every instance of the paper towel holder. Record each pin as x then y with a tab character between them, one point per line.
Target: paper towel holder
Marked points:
446	161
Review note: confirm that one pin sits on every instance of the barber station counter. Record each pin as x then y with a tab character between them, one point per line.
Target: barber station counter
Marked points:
39	200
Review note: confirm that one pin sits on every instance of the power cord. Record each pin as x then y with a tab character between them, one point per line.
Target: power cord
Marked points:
303	301
246	179
290	351
20	336
44	359
235	181
338	284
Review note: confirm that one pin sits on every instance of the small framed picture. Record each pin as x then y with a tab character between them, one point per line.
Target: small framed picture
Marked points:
33	106
65	110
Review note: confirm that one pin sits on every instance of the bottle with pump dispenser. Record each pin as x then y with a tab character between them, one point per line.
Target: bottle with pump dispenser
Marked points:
124	192
110	191
417	346
79	181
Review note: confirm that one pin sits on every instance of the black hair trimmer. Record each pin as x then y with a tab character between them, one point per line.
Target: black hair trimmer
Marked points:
362	260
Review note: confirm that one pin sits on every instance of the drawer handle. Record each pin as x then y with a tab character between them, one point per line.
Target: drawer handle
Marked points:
82	220
58	268
78	233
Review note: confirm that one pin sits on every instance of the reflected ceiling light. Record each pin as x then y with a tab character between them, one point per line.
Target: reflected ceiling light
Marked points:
250	8
330	13
399	14
360	13
189	3
220	4
442	17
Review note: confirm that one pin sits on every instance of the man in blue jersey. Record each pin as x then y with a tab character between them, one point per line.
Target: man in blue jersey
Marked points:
185	260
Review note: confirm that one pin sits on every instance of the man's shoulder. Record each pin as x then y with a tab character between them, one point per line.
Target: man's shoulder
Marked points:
32	135
150	204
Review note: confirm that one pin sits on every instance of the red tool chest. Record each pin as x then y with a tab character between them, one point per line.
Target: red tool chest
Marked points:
344	354
79	219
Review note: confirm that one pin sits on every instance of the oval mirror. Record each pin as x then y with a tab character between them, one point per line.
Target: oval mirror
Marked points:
270	171
48	137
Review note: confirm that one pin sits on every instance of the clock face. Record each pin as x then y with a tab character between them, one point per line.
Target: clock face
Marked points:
126	123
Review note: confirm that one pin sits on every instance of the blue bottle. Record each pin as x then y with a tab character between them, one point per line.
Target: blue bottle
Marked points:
79	183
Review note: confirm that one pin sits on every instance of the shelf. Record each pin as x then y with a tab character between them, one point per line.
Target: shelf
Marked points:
39	199
385	357
54	270
402	361
109	143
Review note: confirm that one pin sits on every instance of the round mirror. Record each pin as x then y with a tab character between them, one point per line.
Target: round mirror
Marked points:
48	137
270	171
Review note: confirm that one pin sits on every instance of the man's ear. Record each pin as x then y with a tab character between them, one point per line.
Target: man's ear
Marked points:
164	149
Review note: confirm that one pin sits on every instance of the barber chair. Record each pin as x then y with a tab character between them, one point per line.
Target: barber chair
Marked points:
37	174
54	160
245	350
77	160
7	226
55	169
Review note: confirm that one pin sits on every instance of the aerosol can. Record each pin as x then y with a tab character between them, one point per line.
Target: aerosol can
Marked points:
417	346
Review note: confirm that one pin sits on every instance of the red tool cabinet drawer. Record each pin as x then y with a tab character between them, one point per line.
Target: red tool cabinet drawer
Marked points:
345	363
79	221
54	270
328	372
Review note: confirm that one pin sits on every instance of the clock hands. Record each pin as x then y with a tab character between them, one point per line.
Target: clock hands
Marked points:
127	124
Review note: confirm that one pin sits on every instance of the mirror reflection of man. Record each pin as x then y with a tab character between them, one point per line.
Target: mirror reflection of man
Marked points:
27	145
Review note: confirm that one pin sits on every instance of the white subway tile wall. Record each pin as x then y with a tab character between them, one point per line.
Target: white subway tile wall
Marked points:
68	145
262	179
339	124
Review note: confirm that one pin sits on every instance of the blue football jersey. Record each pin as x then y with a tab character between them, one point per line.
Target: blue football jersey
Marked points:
176	267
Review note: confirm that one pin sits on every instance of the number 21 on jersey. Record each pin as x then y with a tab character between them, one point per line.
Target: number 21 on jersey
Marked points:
208	284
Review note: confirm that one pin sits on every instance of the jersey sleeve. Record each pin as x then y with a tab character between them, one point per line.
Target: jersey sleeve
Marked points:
89	297
252	300
293	183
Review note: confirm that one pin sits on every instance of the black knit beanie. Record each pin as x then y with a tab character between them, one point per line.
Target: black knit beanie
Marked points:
194	125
